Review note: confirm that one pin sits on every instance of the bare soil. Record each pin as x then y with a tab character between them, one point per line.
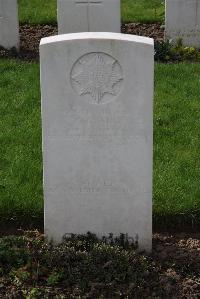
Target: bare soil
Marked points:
30	37
179	258
176	257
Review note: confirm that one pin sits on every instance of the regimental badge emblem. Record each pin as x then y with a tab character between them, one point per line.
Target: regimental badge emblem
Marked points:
97	75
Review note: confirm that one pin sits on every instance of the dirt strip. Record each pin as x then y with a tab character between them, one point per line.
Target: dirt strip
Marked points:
30	37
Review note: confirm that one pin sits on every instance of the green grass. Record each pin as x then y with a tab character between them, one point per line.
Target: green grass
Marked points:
44	12
143	11
37	11
20	139
176	143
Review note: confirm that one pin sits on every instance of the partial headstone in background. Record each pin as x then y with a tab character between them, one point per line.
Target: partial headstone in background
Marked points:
9	24
97	91
183	21
89	15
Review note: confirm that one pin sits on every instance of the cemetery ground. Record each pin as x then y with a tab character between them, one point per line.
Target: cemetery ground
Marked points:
84	267
175	259
176	144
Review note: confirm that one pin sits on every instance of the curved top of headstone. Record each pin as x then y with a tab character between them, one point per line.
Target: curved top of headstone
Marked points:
97	35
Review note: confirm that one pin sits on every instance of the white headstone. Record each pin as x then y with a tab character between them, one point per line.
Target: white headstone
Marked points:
97	91
183	21
88	15
9	25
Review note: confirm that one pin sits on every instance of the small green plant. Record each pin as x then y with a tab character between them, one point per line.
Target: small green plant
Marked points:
162	51
182	53
12	253
20	275
33	293
165	51
54	278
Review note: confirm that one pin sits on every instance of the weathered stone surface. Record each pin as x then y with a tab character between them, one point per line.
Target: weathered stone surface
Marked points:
183	21
88	15
97	91
9	25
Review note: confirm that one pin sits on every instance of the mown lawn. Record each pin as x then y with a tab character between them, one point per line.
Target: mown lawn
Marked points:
176	143
44	12
20	139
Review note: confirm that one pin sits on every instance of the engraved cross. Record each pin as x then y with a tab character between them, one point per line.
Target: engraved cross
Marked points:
88	3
